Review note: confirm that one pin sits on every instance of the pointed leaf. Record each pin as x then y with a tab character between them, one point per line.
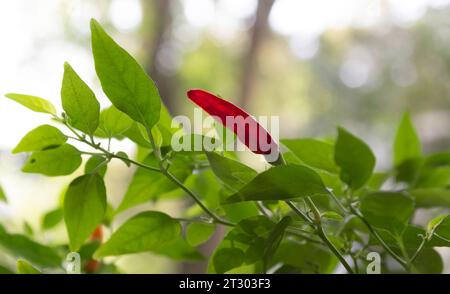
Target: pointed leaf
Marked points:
407	144
24	267
52	218
147	231
123	80
84	208
60	161
281	182
34	103
198	233
40	138
388	210
314	153
113	123
79	102
233	173
274	239
355	159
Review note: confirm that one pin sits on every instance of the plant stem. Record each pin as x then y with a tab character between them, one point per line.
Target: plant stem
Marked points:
171	177
379	239
161	168
339	204
299	212
317	223
323	236
419	249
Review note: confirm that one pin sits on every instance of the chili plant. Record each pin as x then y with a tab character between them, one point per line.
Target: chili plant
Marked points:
319	207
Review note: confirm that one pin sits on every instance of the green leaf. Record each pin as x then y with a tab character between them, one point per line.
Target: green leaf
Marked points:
60	161
249	236
233	173
426	198
438	177
441	227
198	233
52	218
28	229
147	231
79	102
355	159
407	144
22	246
308	258
314	153
147	185
409	170
84	208
40	138
96	164
226	259
274	239
34	103
281	182
5	271
438	159
388	210
429	262
24	267
179	249
434	223
3	195
113	123
135	134
123	80
332	215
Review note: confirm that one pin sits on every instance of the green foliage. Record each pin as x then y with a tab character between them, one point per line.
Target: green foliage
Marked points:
34	103
281	182
198	233
406	144
147	231
326	205
22	246
52	218
113	123
148	185
388	210
59	161
314	153
2	195
84	208
123	80
96	164
354	158
40	138
79	102
24	267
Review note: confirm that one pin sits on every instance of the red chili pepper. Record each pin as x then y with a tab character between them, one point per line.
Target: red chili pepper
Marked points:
97	235
92	265
250	132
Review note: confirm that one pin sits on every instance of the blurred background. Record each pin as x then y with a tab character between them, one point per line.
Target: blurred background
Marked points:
316	64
